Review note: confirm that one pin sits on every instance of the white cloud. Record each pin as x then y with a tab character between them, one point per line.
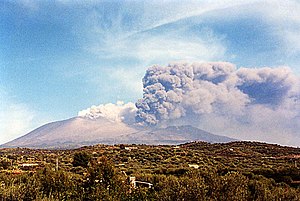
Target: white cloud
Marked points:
119	112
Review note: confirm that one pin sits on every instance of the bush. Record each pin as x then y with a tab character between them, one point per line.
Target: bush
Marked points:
81	159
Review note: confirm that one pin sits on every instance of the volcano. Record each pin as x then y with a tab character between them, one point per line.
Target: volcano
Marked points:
79	131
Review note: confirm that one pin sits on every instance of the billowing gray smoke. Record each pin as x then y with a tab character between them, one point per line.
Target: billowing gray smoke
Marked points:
218	97
173	91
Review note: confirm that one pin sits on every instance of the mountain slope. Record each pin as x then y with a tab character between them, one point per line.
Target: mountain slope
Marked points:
80	131
71	133
173	135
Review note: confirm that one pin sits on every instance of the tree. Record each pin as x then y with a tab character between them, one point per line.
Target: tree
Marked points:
81	159
4	164
104	182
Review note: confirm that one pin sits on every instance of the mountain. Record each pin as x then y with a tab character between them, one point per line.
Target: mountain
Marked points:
79	131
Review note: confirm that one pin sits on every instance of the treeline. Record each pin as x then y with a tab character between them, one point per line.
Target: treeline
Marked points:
90	180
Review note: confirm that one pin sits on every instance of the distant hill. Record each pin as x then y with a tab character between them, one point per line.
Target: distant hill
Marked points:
244	149
78	131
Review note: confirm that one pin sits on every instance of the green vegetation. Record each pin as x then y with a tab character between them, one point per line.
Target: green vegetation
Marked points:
193	171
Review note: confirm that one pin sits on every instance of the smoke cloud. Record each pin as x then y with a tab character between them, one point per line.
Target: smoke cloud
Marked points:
259	104
248	104
119	112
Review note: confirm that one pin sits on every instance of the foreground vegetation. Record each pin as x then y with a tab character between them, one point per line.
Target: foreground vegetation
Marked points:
193	171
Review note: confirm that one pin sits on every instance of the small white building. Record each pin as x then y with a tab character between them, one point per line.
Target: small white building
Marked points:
194	166
28	166
134	183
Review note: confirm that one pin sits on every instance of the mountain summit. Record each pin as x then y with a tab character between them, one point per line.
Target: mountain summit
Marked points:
79	131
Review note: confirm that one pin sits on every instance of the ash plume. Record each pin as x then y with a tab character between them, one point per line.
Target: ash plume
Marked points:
221	98
243	103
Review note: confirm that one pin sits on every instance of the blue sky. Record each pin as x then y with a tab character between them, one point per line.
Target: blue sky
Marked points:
59	57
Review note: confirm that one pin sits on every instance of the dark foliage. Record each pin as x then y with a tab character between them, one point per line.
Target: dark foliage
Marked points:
81	159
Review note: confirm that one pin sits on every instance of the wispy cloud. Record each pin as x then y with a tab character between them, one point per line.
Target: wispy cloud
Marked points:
16	118
128	78
284	16
31	5
142	31
153	49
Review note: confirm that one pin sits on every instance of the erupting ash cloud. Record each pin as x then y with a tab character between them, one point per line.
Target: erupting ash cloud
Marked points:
218	97
119	112
173	91
249	104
